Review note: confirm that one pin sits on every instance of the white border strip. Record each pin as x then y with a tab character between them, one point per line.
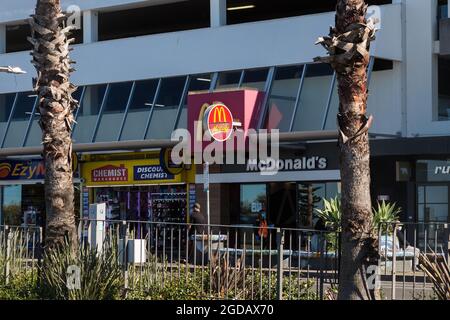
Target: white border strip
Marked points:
29	182
282	176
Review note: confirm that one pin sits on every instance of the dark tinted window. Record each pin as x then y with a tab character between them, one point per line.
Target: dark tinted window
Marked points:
239	11
16	37
184	15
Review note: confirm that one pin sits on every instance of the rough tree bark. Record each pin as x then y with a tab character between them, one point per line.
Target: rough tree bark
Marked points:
51	59
348	47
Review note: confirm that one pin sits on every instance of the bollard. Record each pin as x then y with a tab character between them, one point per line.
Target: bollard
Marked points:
280	244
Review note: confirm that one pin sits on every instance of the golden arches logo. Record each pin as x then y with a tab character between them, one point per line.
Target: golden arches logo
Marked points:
220	115
219	121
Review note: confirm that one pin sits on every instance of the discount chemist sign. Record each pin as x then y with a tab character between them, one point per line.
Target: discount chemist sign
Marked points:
124	172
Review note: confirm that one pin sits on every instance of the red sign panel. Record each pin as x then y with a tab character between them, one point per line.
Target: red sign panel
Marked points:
220	122
110	173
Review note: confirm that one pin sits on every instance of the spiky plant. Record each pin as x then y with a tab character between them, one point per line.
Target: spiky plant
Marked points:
83	274
225	277
385	215
331	213
49	37
438	270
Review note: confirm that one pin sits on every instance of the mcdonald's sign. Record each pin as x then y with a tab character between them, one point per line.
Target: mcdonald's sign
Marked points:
219	121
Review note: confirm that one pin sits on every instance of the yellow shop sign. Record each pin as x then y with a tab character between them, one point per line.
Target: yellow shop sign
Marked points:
128	172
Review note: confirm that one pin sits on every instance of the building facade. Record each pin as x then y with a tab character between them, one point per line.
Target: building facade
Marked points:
138	63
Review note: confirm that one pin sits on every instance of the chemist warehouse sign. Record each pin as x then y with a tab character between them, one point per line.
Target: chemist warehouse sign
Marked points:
127	172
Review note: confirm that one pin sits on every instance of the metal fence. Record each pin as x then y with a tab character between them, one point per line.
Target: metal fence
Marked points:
238	262
401	246
221	262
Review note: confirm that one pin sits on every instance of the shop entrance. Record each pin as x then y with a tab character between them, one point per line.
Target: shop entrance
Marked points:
146	203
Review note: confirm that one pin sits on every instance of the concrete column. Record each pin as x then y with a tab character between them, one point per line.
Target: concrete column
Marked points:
2	38
90	26
218	13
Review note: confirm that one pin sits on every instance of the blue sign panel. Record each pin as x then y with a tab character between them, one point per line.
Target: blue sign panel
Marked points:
31	169
151	172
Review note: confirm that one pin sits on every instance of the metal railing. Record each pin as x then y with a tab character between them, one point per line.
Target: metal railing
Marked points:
239	262
401	246
223	262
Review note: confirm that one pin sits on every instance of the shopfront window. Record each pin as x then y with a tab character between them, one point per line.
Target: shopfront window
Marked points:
253	201
433	187
310	197
11	205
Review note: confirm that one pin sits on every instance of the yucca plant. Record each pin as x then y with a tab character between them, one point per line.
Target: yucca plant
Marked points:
331	213
225	277
438	270
100	275
385	215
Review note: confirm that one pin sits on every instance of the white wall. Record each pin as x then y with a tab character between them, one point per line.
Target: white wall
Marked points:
258	44
421	65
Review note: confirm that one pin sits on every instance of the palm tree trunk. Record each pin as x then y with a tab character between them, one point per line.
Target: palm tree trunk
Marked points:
56	105
348	46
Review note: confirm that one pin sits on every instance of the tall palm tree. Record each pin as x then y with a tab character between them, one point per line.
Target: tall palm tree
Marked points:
348	46
51	59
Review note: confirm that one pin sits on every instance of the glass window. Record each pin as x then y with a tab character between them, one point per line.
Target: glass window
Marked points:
240	11
144	93
6	104
283	96
11	205
20	119
16	37
442	9
313	98
24	106
432	207
87	115
443	89
253	200
433	203
200	82
154	19
228	79
166	108
310	197
255	79
114	106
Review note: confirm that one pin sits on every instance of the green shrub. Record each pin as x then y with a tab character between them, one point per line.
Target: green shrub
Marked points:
100	273
20	287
